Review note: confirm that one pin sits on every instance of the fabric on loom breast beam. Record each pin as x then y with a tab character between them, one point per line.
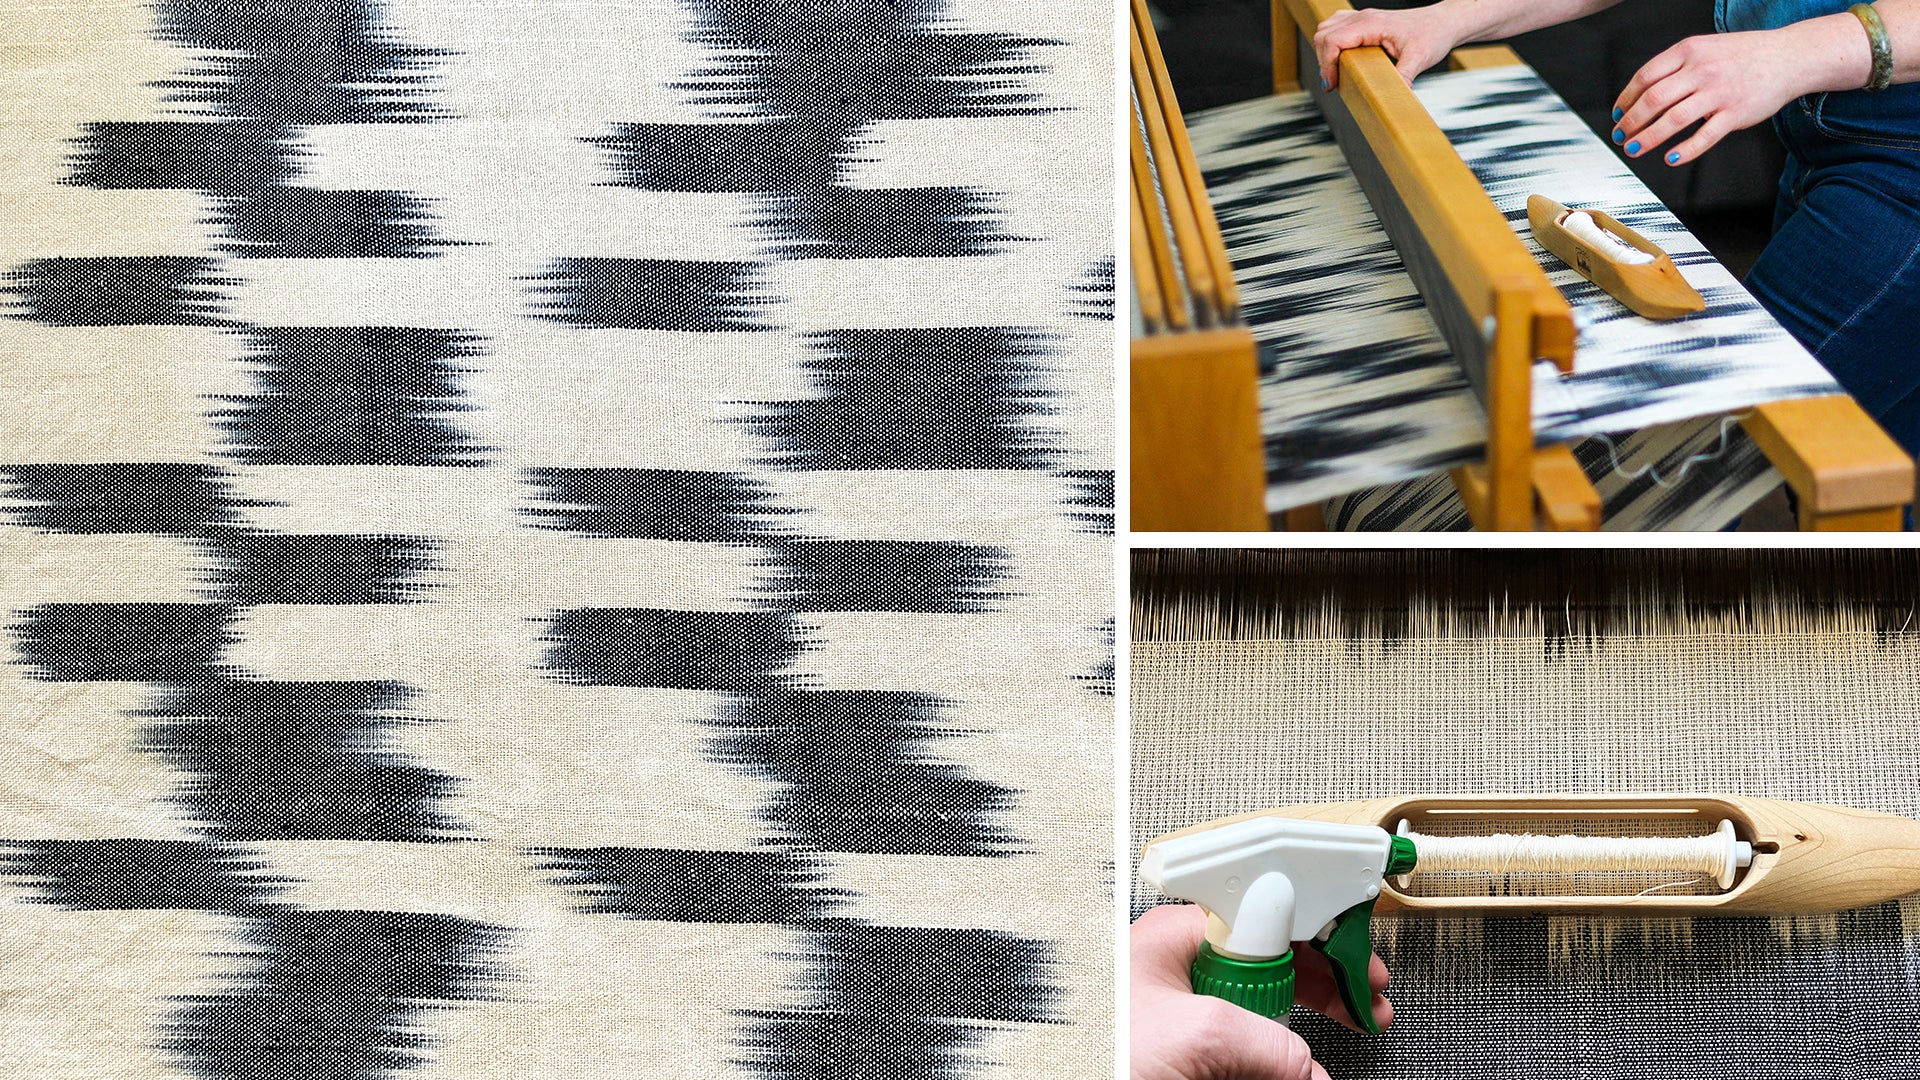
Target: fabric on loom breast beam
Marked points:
1694	476
609	534
1518	137
1357	388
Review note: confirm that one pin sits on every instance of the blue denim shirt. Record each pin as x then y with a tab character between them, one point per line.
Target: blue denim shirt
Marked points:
1736	15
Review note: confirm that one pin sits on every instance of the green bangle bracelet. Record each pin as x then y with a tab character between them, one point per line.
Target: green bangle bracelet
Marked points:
1882	76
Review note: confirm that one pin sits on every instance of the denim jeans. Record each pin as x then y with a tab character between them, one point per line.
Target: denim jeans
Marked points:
1842	272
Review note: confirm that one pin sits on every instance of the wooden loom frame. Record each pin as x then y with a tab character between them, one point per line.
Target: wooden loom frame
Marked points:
1197	453
1494	305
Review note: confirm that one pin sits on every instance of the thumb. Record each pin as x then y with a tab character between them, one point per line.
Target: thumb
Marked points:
1410	61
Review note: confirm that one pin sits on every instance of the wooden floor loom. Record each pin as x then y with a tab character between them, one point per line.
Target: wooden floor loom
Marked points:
1197	450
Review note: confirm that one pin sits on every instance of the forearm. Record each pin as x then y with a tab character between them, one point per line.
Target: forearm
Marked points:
1836	54
1903	31
1492	20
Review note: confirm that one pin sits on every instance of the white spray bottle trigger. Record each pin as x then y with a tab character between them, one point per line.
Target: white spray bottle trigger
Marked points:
1270	881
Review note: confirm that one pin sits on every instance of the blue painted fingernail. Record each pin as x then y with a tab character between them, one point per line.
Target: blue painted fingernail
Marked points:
1673	158
1619	136
1633	148
1324	86
1618	113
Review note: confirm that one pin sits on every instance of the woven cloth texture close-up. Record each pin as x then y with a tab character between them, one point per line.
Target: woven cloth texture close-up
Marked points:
556	538
1266	679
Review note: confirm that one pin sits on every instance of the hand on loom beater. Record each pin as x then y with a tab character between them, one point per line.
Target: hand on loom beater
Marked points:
1723	82
1176	1034
1418	38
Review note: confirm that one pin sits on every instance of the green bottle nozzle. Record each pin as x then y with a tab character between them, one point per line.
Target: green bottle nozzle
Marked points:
1401	858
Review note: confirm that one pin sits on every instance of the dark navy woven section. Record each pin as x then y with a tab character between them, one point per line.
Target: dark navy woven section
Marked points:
859	771
672	885
130	874
899	1002
335	993
961	398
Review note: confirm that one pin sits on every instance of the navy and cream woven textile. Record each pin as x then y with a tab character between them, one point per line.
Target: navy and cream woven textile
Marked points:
555	538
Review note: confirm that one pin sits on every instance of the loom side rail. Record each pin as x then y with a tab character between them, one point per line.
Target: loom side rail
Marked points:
1848	473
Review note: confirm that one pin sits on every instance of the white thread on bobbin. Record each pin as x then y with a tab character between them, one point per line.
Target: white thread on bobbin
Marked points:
1718	855
1609	246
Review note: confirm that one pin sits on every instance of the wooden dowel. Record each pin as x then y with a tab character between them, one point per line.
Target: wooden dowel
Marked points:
1201	287
1286	56
1510	408
1159	247
1474	57
1214	244
1146	275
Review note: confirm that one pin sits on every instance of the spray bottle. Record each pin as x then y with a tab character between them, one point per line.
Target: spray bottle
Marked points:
1267	882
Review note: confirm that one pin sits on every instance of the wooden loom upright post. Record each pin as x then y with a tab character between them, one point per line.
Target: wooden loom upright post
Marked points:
1500	495
1286	65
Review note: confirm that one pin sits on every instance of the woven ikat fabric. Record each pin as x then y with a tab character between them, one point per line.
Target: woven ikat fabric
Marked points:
555	539
1358	387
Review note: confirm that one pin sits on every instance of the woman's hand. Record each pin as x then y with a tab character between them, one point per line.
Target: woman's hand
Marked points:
1416	38
1729	81
1176	1034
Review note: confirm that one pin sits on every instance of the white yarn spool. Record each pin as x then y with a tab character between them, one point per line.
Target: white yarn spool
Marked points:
1609	246
1718	855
